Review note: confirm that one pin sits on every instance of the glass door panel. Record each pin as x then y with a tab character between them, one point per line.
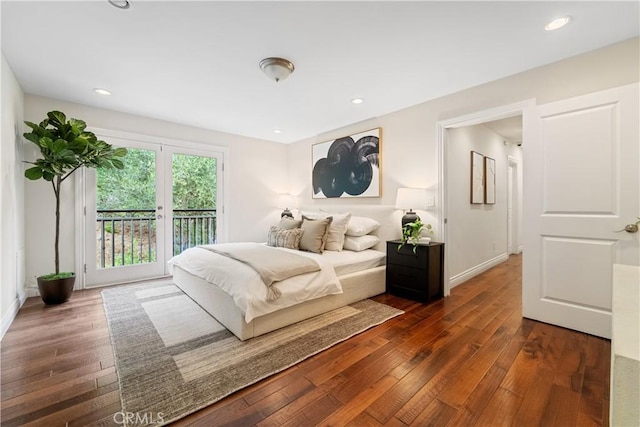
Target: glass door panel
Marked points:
194	200
124	218
194	195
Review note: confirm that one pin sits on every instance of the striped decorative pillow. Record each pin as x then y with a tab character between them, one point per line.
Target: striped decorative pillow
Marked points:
282	238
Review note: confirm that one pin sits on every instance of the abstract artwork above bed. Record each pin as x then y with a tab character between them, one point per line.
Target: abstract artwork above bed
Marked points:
348	166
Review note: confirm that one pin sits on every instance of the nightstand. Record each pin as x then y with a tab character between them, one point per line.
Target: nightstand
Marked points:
418	276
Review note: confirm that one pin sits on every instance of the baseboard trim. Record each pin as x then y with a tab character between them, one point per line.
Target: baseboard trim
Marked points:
8	318
32	292
474	271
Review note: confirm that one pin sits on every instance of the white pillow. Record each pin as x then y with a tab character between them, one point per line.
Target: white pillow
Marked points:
360	226
360	243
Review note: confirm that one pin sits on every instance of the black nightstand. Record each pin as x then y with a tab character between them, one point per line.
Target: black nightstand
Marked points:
418	276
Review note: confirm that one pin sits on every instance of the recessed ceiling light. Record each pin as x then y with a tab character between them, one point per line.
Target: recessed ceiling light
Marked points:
120	4
557	23
357	101
277	131
102	91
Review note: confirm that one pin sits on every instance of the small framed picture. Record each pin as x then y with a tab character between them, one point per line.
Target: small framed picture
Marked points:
490	181
477	178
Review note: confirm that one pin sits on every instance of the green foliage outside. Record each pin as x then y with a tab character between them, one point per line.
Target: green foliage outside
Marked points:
194	183
130	188
134	187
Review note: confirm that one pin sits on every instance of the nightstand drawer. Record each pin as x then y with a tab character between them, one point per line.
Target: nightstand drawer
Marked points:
405	255
399	276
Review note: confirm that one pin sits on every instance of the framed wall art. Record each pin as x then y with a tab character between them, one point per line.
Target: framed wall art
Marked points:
477	178
347	167
489	181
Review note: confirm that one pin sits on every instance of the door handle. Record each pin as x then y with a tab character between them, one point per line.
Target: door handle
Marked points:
159	217
630	228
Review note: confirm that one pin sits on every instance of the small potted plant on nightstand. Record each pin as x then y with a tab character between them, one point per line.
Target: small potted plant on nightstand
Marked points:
65	146
412	233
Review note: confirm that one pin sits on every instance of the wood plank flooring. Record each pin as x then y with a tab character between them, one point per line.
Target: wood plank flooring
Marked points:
470	359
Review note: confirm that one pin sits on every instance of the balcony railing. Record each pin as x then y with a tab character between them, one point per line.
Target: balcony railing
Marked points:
128	236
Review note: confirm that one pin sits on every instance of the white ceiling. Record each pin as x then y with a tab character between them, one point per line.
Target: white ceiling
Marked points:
197	62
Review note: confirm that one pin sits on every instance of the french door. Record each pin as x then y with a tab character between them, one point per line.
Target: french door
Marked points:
165	200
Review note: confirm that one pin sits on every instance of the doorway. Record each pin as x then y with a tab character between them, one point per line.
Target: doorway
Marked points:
167	198
479	236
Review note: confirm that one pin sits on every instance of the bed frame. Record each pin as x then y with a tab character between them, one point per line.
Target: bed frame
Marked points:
356	286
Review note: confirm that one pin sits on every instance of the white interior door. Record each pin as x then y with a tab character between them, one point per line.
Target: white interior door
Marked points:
581	187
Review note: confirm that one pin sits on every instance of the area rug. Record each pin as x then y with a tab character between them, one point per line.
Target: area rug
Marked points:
173	358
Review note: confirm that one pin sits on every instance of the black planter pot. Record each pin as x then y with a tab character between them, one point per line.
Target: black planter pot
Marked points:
56	291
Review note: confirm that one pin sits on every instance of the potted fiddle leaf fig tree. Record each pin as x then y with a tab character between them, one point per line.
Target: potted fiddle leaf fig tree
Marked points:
65	146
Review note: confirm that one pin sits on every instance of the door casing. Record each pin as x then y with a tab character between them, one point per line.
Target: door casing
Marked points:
524	108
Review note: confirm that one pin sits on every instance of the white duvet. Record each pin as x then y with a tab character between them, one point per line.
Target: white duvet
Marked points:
247	289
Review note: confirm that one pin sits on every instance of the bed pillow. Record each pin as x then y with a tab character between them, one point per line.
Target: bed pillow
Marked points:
337	228
314	234
283	238
360	226
287	223
312	214
360	243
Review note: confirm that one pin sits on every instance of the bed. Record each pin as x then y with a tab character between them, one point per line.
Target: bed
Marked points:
360	275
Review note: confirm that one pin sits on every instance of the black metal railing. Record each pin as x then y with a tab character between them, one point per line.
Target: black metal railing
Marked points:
128	236
192	227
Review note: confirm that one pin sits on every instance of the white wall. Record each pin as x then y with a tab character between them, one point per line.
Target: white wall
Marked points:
257	172
477	232
12	240
409	137
259	169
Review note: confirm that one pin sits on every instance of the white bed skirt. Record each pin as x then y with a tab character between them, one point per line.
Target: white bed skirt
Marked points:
356	287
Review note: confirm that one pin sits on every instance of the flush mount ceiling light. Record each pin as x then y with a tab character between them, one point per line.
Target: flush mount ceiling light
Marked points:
277	68
101	91
557	23
357	101
120	4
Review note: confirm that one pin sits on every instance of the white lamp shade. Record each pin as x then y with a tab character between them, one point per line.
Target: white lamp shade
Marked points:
285	201
411	198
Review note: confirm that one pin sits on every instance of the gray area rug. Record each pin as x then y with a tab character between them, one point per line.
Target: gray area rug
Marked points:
173	358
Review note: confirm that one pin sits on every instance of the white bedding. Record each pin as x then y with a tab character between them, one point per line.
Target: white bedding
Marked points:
347	262
247	289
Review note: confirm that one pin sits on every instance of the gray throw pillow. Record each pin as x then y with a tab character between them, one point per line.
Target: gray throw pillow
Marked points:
314	234
282	238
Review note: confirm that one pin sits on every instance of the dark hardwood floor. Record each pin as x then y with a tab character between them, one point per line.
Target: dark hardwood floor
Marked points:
470	359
